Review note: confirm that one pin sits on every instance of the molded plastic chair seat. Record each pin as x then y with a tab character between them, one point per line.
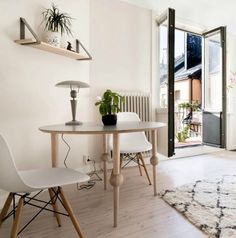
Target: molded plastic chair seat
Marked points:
135	142
22	183
133	146
38	179
132	143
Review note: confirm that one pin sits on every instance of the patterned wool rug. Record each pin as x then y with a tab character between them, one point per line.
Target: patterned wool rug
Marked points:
208	204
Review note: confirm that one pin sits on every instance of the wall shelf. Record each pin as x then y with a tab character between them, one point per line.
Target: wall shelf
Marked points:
36	43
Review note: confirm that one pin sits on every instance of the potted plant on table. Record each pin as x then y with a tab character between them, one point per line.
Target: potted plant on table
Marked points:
109	105
56	23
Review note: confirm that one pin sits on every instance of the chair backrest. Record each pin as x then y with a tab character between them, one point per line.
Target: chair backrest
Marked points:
10	180
127	116
127	138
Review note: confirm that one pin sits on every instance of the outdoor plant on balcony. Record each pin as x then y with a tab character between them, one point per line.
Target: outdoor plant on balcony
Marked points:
188	109
183	134
194	106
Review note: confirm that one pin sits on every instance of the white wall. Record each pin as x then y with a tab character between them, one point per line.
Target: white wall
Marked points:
203	13
120	42
28	96
231	94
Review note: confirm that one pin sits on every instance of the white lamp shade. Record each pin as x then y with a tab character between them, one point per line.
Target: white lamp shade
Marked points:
69	84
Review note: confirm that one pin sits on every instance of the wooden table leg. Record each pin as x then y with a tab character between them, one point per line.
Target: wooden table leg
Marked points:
154	160
54	155
105	158
116	179
54	149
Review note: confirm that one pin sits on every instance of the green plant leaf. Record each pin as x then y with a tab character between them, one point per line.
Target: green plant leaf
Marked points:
115	99
110	102
107	95
56	21
103	109
113	109
98	103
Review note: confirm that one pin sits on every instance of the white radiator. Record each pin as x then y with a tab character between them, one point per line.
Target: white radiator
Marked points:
139	103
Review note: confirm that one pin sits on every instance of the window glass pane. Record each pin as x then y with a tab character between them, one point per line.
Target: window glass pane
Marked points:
179	60
194	50
213	77
163	66
179	44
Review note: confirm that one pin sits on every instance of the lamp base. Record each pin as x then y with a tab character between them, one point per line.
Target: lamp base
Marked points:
73	123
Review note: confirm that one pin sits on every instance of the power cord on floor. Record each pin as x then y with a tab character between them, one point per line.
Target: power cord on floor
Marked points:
91	183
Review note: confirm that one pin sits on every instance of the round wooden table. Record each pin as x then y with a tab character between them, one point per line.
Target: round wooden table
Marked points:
116	179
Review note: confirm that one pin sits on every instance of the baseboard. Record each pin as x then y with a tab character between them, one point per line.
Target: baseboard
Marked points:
231	147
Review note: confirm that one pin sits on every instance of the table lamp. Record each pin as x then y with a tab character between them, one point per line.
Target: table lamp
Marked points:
74	89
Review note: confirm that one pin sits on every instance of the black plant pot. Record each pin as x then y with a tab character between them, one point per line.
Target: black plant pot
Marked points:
109	120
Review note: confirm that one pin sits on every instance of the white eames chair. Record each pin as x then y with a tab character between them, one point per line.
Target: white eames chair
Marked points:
22	183
132	145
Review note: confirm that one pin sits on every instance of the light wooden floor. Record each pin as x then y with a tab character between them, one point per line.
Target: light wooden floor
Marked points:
141	214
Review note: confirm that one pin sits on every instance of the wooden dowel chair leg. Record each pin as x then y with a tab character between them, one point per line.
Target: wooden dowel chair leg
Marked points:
70	212
105	174
145	169
54	206
6	208
139	166
16	222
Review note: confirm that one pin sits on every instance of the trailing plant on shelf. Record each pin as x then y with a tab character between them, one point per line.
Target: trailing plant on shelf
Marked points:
57	23
109	105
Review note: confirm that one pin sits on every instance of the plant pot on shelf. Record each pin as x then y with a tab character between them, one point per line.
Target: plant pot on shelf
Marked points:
109	120
53	38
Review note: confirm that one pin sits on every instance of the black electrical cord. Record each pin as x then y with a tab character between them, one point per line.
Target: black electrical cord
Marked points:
91	183
68	151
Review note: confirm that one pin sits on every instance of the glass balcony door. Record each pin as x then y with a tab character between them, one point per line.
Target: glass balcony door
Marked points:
166	39
214	90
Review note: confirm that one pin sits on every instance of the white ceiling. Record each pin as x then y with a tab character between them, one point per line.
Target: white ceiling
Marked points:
205	13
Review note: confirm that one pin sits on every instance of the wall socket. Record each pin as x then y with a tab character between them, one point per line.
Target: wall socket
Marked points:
86	159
